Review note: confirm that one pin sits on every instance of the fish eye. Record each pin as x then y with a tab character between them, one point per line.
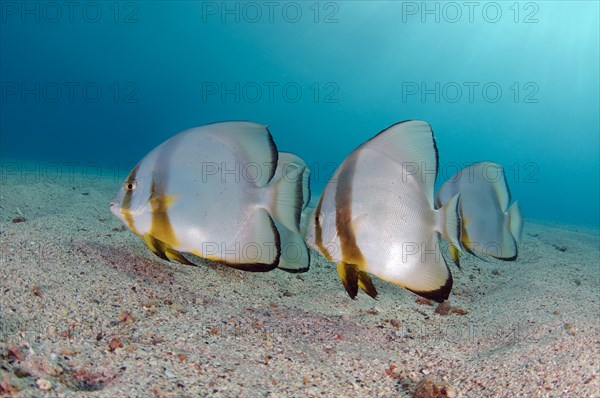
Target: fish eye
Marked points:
130	185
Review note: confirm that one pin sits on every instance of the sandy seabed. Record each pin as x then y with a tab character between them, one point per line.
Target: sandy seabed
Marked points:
87	310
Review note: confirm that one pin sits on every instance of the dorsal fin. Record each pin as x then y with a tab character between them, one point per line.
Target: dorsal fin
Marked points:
493	173
252	141
412	144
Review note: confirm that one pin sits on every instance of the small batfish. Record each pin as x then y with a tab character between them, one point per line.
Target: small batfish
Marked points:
489	226
221	192
376	215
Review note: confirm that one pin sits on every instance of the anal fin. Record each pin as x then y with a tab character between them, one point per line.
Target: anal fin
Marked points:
295	256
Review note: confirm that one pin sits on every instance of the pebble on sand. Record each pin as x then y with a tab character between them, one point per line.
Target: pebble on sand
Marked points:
9	386
423	301
443	308
44	385
430	388
126	316
115	344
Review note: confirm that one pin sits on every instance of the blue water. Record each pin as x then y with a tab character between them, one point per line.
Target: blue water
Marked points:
105	82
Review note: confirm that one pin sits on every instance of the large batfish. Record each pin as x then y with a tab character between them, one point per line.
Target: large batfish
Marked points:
376	215
222	192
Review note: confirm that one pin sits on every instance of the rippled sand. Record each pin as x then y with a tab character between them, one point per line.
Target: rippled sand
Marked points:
87	310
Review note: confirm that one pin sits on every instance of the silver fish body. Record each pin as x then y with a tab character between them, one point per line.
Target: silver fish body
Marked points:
219	192
490	227
376	215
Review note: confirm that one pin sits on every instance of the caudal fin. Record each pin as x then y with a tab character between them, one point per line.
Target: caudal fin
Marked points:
515	221
449	223
289	191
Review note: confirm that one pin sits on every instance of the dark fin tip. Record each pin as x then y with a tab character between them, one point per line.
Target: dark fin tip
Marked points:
457	263
259	267
274	154
438	295
250	267
158	248
180	258
367	284
161	255
294	270
299	270
389	127
350	281
513	258
308	191
471	252
437	154
299	199
435	148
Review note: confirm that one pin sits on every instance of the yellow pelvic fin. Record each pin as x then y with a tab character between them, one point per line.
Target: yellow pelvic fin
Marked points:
366	284
157	247
348	274
455	254
164	251
465	239
174	255
352	278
